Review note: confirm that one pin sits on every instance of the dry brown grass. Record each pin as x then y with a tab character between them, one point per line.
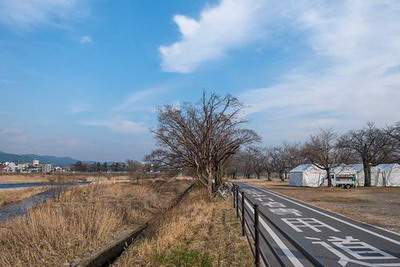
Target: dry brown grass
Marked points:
22	178
374	205
198	232
9	196
80	221
59	177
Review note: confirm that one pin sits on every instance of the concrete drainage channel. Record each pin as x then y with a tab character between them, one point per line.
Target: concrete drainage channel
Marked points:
110	253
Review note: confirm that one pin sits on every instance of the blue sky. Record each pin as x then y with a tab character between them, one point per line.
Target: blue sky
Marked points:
83	78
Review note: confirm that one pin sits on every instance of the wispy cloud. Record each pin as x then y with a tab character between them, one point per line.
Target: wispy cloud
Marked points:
86	40
219	29
359	45
28	14
117	125
140	100
77	108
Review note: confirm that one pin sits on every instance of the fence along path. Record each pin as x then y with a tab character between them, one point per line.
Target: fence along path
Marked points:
286	232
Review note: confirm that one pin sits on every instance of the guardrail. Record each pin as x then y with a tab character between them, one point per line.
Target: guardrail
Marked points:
252	238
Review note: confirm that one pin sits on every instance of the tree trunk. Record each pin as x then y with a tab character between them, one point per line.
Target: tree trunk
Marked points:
210	186
269	176
281	176
210	180
367	173
328	173
258	175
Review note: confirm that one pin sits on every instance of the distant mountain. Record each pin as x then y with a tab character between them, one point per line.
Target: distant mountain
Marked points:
57	161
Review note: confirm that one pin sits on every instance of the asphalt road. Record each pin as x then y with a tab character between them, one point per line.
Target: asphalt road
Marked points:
299	234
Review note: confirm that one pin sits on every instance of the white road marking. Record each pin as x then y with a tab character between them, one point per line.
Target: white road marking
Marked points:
332	217
344	260
312	223
278	241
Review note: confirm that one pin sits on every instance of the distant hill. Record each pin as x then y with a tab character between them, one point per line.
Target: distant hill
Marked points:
57	161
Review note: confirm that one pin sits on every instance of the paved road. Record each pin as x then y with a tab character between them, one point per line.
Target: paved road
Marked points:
303	235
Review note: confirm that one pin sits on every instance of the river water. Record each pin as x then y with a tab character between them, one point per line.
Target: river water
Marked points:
23	206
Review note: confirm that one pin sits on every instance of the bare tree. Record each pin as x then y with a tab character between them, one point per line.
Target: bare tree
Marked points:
246	165
285	158
293	156
394	133
279	162
257	160
135	169
269	166
233	166
372	145
322	151
202	137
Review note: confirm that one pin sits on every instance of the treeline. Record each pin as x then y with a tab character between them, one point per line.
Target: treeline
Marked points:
128	166
209	140
326	149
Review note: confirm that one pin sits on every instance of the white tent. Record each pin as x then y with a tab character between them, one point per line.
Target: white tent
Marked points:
386	175
307	175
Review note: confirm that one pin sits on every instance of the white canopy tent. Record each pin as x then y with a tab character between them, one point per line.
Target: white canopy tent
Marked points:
307	175
386	175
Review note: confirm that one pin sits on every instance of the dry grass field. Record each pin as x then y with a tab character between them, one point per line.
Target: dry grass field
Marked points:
14	195
198	232
81	220
20	178
60	177
374	205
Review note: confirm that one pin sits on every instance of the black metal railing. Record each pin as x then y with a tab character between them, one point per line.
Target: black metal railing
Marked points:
250	226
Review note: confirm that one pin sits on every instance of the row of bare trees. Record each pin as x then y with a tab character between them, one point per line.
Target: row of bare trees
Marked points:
208	140
326	150
259	161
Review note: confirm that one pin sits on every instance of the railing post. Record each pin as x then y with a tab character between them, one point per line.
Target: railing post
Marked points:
243	214
256	238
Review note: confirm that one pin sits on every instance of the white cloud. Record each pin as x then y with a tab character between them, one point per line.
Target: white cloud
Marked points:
139	100
219	29
77	108
119	126
27	14
86	39
358	43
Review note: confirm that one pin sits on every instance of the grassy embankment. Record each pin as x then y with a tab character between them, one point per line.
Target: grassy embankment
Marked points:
198	232
9	196
80	221
374	205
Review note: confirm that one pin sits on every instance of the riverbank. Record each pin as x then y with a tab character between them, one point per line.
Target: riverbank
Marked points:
8	196
80	220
